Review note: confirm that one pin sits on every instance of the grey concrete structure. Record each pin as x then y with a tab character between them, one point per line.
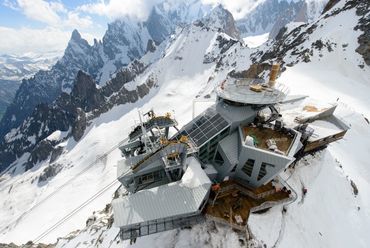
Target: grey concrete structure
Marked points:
241	137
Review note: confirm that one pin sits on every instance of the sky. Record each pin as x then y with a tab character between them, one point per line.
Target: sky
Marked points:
43	26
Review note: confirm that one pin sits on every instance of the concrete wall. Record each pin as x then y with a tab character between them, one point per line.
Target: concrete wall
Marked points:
260	156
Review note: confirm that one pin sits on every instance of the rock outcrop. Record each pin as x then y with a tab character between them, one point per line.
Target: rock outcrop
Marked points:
363	10
69	112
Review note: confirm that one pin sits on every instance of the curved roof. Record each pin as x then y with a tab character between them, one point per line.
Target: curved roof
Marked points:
239	90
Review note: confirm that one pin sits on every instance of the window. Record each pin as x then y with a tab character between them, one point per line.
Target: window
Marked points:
248	167
233	170
150	177
147	178
218	159
263	171
204	127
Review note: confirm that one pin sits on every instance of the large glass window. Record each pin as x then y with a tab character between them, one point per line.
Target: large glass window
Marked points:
248	167
150	177
263	171
204	127
218	159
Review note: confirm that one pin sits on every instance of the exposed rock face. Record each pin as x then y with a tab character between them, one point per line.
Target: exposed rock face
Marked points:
150	46
39	153
85	93
46	86
69	112
254	71
125	40
363	10
224	20
288	43
271	15
49	172
330	5
79	124
57	151
8	89
296	12
15	67
159	25
291	46
72	112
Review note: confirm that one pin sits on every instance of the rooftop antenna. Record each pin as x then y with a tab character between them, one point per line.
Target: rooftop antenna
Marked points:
273	74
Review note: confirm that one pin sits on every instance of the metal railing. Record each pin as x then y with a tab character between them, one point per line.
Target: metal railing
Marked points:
239	186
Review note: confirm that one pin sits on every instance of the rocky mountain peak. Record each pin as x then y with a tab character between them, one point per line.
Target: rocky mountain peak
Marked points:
272	15
76	36
221	18
159	25
77	44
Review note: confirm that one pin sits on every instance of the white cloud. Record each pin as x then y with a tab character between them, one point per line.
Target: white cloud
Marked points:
239	8
19	41
52	13
40	10
140	9
60	21
39	41
58	7
74	20
114	9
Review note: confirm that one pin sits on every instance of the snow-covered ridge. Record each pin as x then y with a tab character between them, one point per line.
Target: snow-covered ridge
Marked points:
179	74
124	41
15	68
270	16
334	211
331	214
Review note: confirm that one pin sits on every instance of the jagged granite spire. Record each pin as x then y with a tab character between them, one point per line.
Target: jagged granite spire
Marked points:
221	18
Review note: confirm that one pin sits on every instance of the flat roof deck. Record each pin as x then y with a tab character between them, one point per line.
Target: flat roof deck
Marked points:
181	198
234	203
326	127
262	134
299	111
239	90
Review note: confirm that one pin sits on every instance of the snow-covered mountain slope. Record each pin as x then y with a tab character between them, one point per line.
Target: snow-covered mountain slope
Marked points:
179	74
195	60
71	109
15	68
125	40
332	214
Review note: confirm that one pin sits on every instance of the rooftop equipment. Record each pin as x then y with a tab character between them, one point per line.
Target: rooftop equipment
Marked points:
273	75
